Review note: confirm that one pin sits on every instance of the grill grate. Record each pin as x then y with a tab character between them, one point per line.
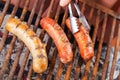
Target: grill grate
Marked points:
77	69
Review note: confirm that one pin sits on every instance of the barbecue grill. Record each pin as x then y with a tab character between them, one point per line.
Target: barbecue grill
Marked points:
94	69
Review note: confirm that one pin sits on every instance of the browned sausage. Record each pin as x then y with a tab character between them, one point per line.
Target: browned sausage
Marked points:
59	37
34	44
84	41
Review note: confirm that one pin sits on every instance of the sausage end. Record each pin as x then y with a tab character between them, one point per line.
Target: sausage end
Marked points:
39	65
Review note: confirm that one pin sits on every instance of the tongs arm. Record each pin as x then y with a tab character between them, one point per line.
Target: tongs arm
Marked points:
73	23
82	18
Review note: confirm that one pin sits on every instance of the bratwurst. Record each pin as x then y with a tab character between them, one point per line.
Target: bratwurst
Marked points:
83	40
34	44
59	37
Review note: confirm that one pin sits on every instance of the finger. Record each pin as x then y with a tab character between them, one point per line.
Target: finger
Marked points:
63	3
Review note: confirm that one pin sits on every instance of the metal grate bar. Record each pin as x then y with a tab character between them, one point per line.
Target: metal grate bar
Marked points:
32	13
50	8
115	53
95	69
1	20
91	13
25	10
77	68
70	65
60	68
20	74
30	72
64	18
15	8
105	66
49	76
15	63
102	8
4	11
39	15
57	13
119	77
2	42
87	67
96	26
83	7
5	64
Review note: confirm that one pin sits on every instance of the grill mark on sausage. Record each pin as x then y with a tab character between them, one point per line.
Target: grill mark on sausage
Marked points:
33	36
39	47
89	44
41	56
26	30
18	25
78	23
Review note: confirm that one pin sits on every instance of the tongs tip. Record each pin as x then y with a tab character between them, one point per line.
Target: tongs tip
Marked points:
72	20
82	18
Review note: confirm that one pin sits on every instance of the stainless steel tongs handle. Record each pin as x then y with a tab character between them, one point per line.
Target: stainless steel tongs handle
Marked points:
82	18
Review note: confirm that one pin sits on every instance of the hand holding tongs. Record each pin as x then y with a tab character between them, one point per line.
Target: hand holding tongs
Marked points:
73	22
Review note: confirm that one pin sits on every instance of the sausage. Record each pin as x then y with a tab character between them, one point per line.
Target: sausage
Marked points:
63	3
34	44
59	37
83	40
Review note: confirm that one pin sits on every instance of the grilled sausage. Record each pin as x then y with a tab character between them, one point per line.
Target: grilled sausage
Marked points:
34	44
59	37
64	2
83	40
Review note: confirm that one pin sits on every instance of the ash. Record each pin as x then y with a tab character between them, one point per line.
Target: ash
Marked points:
102	59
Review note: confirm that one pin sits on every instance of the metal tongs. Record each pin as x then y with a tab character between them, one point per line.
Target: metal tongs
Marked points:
82	19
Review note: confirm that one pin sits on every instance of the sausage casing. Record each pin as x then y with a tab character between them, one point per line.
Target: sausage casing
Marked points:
34	44
83	40
59	37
